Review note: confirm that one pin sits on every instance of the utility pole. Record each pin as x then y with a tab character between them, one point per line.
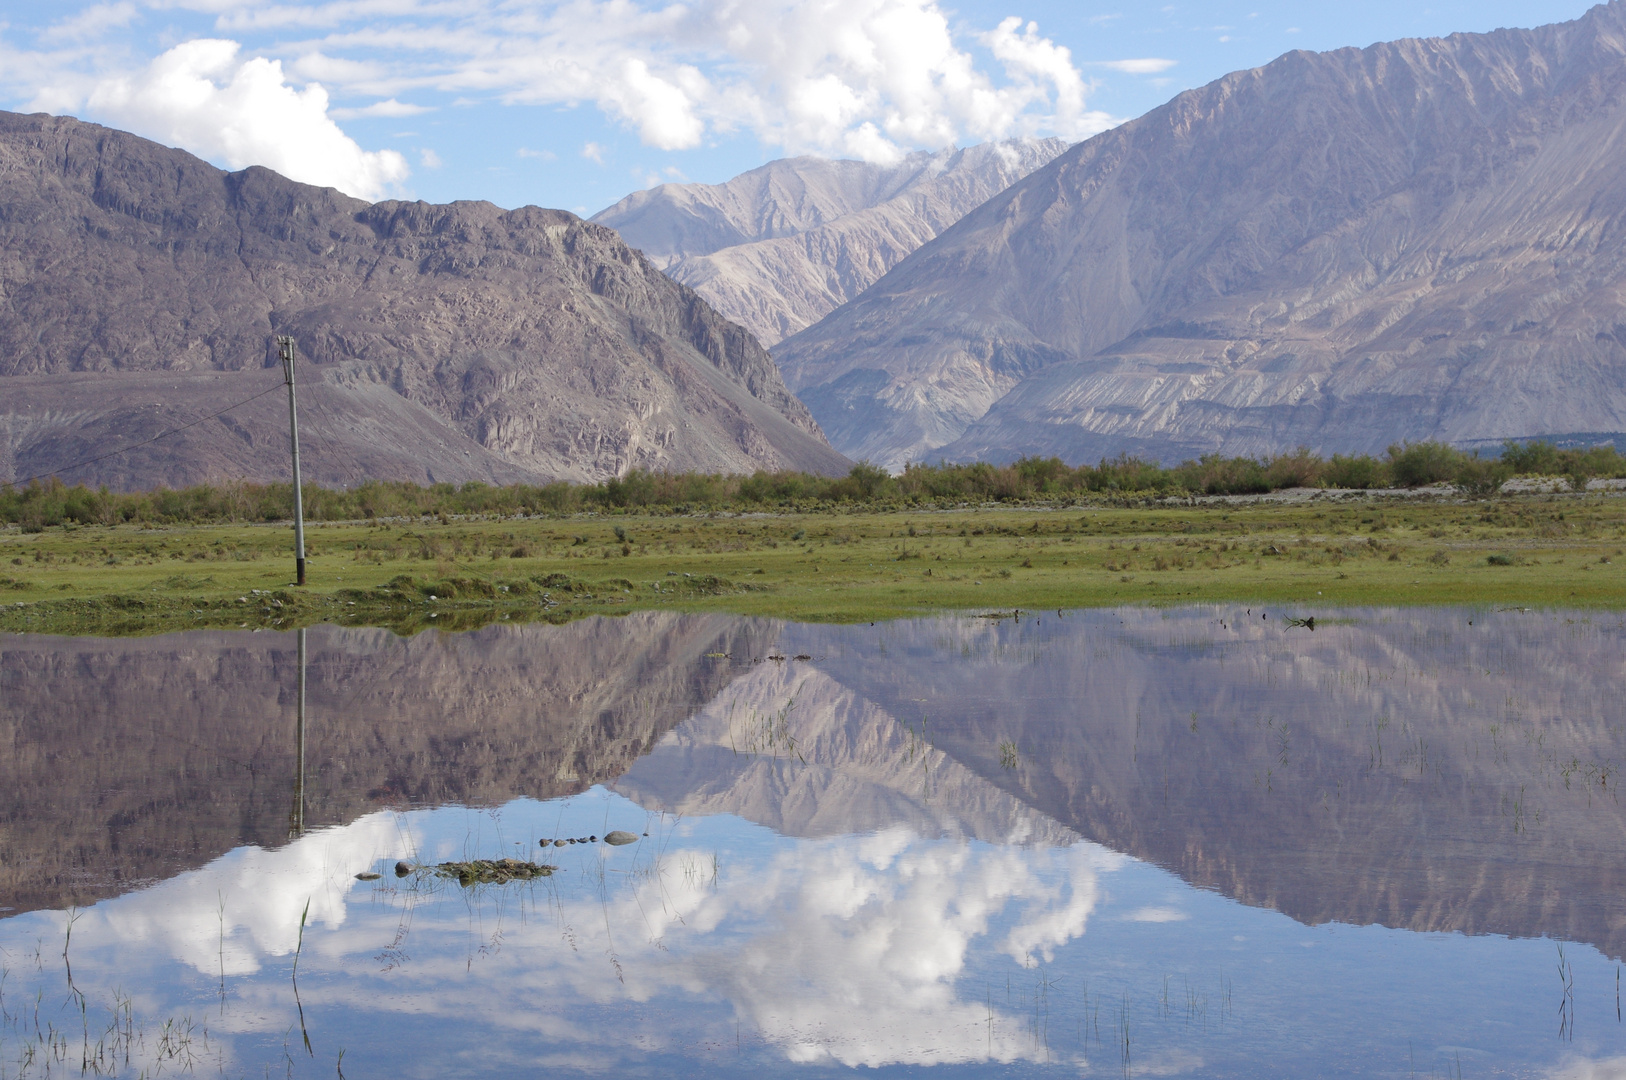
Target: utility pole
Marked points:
285	349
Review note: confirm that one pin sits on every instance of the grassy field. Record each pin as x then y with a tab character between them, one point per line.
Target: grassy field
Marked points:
1531	550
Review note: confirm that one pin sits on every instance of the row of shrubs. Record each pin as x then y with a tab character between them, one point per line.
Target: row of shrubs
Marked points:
1408	465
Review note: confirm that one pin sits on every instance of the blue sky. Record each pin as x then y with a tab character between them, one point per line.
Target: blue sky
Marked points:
575	103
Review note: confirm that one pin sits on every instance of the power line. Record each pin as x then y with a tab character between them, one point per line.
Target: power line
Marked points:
144	442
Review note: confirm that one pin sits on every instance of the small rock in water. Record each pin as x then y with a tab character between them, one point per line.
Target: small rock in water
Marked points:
559	843
544	843
592	839
403	868
619	837
368	875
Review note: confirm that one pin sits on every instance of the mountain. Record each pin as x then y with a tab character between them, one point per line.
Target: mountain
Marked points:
140	289
1417	240
778	248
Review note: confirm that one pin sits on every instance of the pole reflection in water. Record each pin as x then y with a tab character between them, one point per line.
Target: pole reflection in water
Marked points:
296	817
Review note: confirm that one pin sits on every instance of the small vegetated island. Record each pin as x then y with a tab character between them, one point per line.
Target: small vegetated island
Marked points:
1426	524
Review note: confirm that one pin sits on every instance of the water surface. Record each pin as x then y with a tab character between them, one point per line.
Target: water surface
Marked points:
1189	842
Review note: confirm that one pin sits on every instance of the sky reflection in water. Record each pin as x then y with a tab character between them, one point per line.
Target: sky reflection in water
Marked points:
842	873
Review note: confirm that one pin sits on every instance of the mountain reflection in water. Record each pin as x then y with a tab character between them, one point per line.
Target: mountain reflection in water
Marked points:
958	842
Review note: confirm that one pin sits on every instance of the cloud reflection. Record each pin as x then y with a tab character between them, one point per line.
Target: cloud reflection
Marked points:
854	950
246	905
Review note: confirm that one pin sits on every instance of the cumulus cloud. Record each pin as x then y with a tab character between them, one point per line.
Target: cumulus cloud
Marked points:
867	78
872	79
202	96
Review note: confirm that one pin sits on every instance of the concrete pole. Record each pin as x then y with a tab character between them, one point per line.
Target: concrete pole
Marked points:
285	349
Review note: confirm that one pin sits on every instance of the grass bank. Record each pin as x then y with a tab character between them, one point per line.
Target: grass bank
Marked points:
1526	550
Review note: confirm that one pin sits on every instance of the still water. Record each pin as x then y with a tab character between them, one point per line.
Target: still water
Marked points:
1192	842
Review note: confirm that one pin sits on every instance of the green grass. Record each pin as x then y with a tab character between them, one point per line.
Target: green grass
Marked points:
1563	551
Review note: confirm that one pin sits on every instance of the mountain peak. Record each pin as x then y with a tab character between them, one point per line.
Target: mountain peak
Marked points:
779	247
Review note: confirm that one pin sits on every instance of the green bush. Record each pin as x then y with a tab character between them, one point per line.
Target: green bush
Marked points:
1419	464
40	505
1362	471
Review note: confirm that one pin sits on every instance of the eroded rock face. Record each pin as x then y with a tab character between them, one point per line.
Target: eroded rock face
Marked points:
140	289
1415	240
778	248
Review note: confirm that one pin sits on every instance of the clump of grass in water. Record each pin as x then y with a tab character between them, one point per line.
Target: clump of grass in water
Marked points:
766	735
299	946
492	871
1566	1001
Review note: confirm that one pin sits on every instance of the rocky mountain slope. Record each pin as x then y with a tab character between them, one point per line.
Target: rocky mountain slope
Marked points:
1420	239
140	289
778	248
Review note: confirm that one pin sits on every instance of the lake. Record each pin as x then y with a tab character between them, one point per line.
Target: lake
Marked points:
1135	842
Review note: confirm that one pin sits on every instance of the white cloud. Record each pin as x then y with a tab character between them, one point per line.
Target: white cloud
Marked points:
871	78
1149	65
429	158
200	96
389	108
867	78
593	152
92	22
540	155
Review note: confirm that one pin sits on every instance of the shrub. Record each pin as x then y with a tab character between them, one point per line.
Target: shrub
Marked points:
1418	464
1362	471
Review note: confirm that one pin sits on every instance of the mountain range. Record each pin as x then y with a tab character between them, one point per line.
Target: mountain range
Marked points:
1421	239
778	248
140	289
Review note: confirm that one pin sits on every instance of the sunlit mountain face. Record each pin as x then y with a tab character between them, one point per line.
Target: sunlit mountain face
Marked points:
1197	841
